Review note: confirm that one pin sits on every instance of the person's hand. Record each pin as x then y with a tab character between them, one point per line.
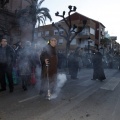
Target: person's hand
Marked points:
47	61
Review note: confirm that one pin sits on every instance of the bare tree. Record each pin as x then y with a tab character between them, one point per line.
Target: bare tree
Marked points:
70	30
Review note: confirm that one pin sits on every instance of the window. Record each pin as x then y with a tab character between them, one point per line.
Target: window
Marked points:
35	35
60	41
40	34
85	31
61	32
92	31
56	32
102	32
73	42
46	33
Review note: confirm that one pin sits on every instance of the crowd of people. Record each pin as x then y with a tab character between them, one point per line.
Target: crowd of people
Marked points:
19	62
23	60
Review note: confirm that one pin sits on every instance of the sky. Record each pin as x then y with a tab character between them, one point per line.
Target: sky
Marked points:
104	11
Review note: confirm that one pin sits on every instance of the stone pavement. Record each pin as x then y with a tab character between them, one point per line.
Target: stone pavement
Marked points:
111	82
29	105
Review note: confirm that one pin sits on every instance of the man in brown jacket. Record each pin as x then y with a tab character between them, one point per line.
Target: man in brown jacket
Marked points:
49	62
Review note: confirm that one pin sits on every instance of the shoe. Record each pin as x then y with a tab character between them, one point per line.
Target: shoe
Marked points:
47	97
24	88
11	90
1	90
102	80
74	78
41	92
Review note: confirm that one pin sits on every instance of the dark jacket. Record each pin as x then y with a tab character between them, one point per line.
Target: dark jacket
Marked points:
73	65
98	66
25	61
97	60
10	55
49	52
73	61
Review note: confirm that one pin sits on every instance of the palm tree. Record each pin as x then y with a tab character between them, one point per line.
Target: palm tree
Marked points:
33	14
3	3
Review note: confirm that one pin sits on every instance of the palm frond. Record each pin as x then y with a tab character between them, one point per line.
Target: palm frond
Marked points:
45	15
41	19
45	12
40	2
33	13
43	9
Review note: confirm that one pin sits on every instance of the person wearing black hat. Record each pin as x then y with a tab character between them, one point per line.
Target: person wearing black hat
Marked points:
7	58
98	71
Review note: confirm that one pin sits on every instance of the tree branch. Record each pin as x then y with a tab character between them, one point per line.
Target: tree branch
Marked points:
53	24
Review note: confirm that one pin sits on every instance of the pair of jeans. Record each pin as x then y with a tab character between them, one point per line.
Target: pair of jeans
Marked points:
6	71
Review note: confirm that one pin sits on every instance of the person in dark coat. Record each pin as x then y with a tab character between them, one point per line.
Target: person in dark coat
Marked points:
49	63
18	48
61	61
25	65
73	64
36	64
98	71
118	60
7	59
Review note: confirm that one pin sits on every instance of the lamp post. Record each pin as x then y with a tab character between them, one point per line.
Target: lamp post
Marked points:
89	44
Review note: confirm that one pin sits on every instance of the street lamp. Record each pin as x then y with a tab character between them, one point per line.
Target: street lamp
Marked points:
89	41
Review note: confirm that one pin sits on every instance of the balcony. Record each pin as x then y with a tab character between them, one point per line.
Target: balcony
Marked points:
83	35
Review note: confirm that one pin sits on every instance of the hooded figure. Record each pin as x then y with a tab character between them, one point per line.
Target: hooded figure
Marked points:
73	64
98	71
49	62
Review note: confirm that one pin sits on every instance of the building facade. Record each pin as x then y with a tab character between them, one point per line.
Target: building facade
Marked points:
86	39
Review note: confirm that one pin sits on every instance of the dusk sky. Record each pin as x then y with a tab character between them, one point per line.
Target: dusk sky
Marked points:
104	11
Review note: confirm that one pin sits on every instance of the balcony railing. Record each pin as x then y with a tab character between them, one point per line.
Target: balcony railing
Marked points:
84	33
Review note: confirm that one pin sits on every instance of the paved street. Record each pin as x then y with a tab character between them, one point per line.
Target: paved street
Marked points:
81	99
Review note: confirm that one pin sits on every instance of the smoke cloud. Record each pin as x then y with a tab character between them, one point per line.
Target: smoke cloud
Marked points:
61	79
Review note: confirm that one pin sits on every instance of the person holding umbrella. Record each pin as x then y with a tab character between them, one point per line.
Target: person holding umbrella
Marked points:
49	61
